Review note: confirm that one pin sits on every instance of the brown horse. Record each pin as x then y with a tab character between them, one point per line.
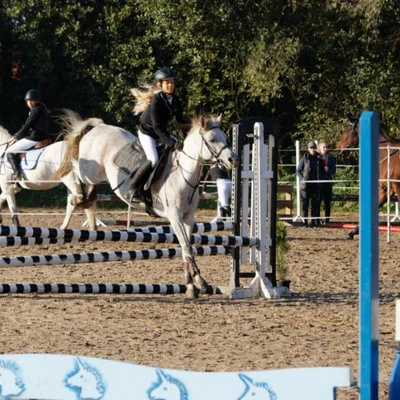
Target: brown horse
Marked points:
350	139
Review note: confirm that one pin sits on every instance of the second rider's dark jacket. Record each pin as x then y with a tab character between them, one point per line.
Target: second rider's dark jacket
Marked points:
36	126
154	120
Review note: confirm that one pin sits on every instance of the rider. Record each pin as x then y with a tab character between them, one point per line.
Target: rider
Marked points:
164	105
34	130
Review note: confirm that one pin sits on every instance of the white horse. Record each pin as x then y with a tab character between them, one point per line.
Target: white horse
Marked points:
38	167
90	155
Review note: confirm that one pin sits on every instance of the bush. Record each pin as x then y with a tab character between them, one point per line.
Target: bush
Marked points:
281	251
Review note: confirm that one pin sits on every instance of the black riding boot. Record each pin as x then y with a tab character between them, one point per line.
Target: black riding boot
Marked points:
135	192
14	162
228	211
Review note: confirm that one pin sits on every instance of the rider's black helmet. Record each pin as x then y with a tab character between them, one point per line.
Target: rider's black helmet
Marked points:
32	94
163	74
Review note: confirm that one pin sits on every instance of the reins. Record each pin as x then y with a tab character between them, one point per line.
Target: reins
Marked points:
214	154
7	144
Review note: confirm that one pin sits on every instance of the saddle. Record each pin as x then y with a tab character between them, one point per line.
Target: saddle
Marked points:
131	158
43	143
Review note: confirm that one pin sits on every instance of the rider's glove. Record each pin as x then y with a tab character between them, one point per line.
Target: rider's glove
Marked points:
178	146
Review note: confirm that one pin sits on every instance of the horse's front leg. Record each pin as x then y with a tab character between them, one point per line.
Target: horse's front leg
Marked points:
382	193
190	269
191	264
91	216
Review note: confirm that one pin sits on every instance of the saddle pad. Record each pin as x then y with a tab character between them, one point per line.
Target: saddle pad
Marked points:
162	167
30	160
129	158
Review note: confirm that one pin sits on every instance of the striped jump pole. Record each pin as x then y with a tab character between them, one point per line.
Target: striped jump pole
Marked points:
80	258
88	234
100	288
137	237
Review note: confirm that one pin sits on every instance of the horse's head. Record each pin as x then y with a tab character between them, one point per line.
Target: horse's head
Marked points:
214	142
350	136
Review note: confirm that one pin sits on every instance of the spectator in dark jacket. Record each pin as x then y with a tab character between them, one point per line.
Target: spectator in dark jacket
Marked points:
325	188
34	130
309	171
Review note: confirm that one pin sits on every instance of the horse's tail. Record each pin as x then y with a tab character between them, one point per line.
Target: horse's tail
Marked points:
74	128
143	97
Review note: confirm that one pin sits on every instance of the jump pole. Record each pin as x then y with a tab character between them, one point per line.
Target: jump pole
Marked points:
108	256
101	288
135	237
54	233
369	257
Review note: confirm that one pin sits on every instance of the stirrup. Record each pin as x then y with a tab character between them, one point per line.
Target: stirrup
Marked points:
16	176
134	196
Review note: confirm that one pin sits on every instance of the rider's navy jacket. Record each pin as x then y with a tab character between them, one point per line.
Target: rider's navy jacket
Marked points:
36	126
154	120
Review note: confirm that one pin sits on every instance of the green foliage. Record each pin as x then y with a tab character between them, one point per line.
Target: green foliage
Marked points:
304	64
281	251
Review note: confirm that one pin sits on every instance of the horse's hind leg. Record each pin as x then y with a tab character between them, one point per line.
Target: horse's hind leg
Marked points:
9	196
69	211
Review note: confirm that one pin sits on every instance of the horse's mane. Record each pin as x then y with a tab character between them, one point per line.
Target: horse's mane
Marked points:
143	97
204	121
384	131
3	130
385	134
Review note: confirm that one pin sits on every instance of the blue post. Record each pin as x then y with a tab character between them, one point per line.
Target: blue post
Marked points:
394	383
369	256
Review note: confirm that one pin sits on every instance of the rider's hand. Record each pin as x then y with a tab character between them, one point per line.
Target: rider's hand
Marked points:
171	143
11	140
178	146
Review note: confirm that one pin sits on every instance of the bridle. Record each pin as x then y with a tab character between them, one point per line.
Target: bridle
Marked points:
211	150
354	133
213	153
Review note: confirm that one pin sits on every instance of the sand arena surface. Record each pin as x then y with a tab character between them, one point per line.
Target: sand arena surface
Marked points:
317	326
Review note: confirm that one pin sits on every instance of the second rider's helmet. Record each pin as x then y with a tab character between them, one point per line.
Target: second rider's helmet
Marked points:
163	74
32	94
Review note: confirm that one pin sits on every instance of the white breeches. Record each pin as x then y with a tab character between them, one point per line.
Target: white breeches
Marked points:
224	187
150	147
21	145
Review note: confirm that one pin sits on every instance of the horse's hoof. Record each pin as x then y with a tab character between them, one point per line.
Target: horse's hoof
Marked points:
77	201
199	282
191	291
